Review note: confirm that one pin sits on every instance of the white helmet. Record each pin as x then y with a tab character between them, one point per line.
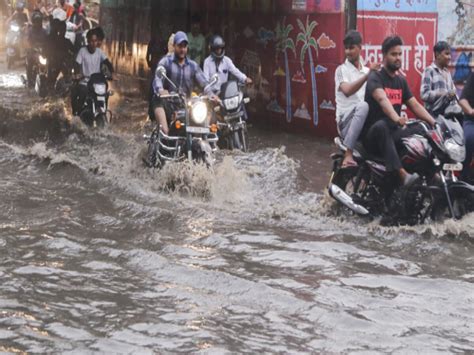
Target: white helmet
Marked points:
59	14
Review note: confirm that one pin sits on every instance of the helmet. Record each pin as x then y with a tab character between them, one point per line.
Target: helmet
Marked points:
37	18
217	42
20	5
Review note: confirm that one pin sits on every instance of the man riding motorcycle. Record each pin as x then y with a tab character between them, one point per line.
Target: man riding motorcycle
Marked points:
183	72
351	109
88	61
385	94
436	80
218	63
60	52
20	15
36	41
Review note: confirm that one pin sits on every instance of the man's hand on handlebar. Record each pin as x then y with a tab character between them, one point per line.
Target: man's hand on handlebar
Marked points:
214	99
164	92
248	81
402	121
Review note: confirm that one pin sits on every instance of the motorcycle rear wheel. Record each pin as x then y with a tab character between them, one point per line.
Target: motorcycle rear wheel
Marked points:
354	183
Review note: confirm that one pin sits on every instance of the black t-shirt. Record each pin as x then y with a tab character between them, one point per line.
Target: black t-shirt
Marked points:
397	91
468	91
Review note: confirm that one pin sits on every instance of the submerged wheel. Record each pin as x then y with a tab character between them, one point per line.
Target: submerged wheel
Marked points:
355	183
462	205
101	120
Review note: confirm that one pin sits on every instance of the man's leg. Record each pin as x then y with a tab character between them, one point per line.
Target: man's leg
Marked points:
30	58
74	95
469	139
379	141
351	129
160	114
78	98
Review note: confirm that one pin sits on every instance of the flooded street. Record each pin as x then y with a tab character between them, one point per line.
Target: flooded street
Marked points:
99	254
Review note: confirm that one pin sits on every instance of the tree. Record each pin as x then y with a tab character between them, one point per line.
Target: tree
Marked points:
308	44
283	44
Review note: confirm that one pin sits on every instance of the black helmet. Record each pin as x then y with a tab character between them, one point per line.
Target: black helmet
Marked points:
217	42
37	18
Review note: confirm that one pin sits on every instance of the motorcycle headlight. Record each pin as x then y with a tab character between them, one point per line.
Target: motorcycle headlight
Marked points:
100	89
15	28
232	103
199	112
43	60
455	151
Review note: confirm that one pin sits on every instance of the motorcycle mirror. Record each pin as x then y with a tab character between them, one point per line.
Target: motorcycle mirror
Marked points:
161	71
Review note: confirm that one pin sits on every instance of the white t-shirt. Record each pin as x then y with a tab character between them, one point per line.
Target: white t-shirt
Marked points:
90	63
348	73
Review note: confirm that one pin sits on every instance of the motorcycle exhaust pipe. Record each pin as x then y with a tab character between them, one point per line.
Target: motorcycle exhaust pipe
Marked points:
339	195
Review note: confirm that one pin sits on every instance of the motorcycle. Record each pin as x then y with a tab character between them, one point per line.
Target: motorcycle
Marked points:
191	136
95	112
436	154
14	45
232	119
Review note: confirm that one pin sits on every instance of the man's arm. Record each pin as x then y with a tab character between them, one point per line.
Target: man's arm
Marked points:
381	98
466	107
419	111
157	82
241	77
200	78
428	95
78	64
349	89
207	69
467	95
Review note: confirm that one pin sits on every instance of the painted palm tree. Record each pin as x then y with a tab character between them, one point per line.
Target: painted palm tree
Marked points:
308	44
283	44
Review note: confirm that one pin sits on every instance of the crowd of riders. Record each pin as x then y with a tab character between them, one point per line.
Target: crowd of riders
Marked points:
369	99
369	102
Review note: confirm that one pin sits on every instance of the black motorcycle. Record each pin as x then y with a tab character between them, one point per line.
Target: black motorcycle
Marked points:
232	117
95	112
434	153
191	135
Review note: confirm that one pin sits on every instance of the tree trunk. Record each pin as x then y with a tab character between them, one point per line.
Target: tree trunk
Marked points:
288	89
314	89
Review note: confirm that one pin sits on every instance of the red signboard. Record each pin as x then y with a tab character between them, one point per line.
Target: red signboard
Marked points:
419	34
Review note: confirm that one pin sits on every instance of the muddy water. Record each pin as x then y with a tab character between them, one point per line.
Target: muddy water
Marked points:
98	254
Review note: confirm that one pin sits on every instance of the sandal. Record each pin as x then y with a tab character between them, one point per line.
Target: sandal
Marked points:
349	164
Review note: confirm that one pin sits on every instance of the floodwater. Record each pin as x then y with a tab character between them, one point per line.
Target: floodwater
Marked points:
100	255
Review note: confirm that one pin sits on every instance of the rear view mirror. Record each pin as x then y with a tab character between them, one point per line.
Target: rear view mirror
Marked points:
161	71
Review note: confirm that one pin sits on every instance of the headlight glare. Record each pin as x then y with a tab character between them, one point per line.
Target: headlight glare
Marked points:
199	112
455	151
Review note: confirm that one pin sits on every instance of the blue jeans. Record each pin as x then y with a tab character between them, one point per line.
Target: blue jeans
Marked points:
469	139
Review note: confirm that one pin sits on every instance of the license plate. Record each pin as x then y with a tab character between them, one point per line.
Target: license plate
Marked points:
452	167
198	130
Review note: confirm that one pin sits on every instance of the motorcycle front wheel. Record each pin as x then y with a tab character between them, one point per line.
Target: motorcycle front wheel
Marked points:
41	85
